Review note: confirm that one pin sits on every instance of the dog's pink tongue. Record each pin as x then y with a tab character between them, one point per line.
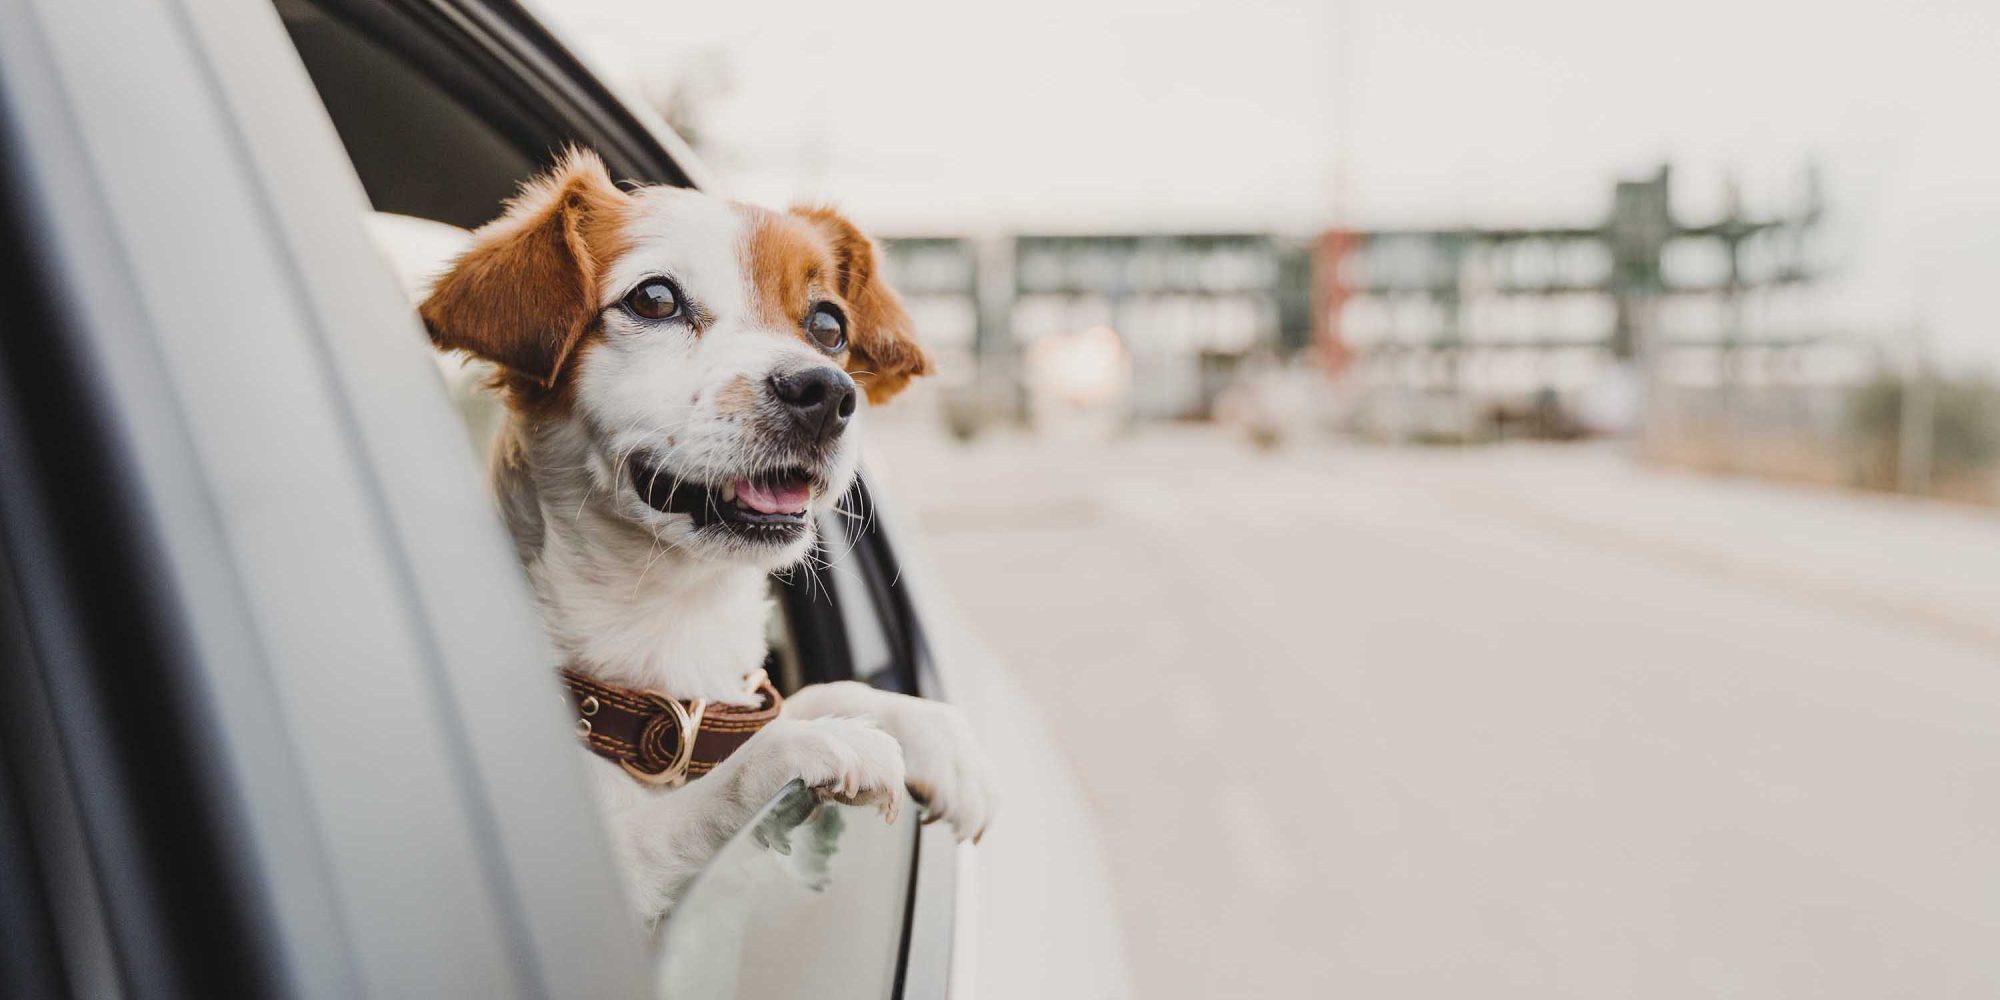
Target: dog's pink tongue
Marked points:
783	498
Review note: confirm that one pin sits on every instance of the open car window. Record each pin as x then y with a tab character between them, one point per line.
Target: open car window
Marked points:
844	929
440	135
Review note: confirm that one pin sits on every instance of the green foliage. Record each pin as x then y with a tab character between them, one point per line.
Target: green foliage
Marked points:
1965	419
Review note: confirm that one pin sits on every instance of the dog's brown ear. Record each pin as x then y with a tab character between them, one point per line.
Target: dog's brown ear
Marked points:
882	350
525	292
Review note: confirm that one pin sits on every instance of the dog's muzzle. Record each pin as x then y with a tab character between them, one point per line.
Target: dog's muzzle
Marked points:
817	403
771	507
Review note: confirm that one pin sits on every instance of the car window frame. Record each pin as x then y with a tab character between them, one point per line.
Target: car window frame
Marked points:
510	52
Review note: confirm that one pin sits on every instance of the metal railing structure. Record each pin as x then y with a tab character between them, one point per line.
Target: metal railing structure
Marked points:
1465	316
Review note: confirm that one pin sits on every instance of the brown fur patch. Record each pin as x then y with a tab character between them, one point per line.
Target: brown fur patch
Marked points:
882	353
524	295
789	264
738	398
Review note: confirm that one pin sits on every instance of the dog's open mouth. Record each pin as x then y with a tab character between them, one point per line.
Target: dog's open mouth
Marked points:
770	505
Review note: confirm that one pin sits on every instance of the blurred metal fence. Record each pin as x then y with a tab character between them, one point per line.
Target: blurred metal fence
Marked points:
1920	435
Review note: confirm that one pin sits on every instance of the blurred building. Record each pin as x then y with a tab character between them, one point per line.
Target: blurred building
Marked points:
1431	332
1187	306
1451	329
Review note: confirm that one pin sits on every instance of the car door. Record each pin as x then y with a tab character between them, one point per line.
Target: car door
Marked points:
271	736
347	726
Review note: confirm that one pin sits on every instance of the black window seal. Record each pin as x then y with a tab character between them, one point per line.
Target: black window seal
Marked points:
521	60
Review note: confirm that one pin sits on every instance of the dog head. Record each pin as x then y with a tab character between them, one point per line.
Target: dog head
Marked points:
715	355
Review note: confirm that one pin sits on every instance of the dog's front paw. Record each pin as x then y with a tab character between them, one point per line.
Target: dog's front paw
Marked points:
947	769
847	760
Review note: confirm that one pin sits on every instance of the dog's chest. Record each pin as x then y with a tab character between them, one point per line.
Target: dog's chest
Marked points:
690	631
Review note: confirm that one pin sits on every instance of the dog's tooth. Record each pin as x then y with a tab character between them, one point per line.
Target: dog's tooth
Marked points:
728	492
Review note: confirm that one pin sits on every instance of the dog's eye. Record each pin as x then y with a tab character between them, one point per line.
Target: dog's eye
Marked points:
828	327
655	298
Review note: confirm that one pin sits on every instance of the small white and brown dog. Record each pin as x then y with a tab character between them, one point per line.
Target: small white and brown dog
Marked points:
683	378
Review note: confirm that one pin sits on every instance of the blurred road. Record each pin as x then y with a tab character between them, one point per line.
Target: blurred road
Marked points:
1503	722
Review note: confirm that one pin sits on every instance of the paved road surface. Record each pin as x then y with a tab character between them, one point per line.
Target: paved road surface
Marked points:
1511	722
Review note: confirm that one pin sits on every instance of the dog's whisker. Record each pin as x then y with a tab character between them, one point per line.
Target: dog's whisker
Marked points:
812	578
813	561
658	550
813	566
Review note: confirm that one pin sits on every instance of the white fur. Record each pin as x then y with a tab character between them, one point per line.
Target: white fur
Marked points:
943	761
635	597
657	388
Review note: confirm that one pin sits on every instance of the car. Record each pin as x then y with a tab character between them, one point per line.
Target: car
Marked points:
276	717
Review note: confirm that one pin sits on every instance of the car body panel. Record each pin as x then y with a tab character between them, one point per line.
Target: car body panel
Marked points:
400	801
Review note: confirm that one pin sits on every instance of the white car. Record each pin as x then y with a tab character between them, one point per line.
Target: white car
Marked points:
276	716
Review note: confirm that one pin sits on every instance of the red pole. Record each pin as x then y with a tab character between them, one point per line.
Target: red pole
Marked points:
1330	294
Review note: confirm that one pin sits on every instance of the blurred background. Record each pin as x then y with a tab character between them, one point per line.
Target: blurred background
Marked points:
1492	498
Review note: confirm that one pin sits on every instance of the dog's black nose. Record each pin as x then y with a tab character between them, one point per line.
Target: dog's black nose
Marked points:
819	399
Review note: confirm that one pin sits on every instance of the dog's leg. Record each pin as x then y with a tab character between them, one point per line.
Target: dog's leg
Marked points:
945	765
668	838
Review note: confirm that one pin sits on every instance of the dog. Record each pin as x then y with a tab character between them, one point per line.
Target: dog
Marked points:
684	379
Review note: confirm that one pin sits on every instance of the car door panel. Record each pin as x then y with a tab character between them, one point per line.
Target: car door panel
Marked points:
368	826
352	660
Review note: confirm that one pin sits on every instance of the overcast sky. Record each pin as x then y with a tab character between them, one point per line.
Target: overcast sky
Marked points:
917	114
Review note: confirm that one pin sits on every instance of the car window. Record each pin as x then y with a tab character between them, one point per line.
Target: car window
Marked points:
840	926
418	141
439	149
800	876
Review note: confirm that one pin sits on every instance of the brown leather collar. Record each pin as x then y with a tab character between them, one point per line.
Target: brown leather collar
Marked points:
657	739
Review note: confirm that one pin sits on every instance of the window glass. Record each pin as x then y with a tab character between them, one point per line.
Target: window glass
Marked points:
794	905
